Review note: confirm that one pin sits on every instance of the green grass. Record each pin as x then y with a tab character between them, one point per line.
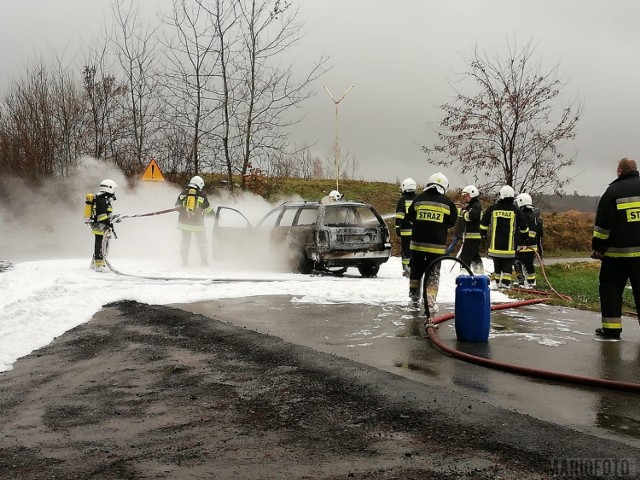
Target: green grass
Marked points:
579	280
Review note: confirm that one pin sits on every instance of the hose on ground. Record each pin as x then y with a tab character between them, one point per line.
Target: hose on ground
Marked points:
431	328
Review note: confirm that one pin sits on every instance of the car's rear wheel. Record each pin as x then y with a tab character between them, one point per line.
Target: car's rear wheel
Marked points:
368	270
300	263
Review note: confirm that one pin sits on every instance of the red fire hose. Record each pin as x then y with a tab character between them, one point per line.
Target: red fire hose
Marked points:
431	326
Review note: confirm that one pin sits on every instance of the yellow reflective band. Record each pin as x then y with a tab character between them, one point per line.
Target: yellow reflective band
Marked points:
612	325
502	253
400	215
602	236
626	205
435	207
621	254
439	251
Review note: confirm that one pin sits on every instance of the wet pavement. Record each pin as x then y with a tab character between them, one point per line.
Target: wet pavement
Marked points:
540	336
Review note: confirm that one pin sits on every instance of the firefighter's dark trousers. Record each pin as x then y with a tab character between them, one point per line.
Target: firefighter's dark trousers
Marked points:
405	243
201	242
419	263
470	254
97	250
614	274
502	270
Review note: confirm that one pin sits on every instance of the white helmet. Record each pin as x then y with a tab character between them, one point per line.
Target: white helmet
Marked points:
507	192
439	181
108	186
335	195
197	181
524	200
408	185
471	190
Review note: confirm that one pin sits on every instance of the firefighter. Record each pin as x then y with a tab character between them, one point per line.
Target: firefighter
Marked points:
431	214
403	227
527	245
102	220
193	205
616	241
471	215
502	219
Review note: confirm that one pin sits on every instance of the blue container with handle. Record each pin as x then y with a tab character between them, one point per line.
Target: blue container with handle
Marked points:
472	308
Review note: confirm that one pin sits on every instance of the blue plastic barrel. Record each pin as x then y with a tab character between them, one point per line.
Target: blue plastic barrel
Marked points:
472	308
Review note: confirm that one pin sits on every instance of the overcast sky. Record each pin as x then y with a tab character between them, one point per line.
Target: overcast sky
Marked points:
398	55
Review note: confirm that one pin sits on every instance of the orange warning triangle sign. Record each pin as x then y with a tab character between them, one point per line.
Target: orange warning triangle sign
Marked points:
152	173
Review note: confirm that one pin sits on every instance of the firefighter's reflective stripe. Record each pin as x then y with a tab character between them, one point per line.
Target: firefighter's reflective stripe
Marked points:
612	323
428	247
617	252
628	203
472	236
191	228
405	232
601	233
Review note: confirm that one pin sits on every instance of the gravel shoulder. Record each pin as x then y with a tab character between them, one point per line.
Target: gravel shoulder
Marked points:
148	392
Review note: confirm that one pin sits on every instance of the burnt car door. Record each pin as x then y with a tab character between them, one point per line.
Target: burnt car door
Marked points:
231	234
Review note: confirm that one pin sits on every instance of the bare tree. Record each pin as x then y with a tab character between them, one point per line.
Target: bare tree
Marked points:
135	47
190	77
511	129
106	123
69	114
40	124
267	93
257	96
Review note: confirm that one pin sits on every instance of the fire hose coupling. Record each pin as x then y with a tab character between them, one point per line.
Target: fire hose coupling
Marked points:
429	324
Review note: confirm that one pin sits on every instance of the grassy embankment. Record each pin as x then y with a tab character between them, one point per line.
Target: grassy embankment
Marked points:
579	280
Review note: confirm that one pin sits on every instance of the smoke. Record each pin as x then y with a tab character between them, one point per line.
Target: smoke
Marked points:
47	222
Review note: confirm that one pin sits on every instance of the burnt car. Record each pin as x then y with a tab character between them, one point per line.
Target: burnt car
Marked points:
312	236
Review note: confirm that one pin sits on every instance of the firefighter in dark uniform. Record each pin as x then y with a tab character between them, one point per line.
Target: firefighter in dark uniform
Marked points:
616	241
471	214
431	214
403	227
102	221
527	245
193	205
503	218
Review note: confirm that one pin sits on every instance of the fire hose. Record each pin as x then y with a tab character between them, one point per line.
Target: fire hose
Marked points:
431	326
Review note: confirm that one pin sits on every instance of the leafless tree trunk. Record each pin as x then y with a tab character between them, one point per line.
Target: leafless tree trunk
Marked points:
106	122
268	93
510	130
39	118
135	47
191	76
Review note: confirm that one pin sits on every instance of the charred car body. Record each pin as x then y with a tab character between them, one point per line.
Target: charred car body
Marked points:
311	236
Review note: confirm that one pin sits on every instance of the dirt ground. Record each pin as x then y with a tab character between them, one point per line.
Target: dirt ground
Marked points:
144	392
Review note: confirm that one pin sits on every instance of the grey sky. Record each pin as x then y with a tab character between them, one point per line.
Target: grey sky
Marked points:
398	54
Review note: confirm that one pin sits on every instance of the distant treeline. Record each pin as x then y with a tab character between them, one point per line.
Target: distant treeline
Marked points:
565	203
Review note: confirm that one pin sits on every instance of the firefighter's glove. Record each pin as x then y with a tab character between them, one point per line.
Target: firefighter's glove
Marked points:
597	255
